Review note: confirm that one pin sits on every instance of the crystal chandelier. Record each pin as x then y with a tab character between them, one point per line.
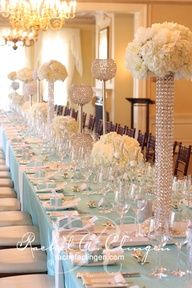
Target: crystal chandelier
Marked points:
16	38
37	15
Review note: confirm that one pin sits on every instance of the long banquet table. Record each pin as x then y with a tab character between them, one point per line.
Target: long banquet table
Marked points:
25	188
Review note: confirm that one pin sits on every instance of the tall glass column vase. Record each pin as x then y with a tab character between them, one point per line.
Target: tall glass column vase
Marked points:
164	147
50	114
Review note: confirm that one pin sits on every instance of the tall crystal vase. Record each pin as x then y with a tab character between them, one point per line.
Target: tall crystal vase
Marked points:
164	147
50	115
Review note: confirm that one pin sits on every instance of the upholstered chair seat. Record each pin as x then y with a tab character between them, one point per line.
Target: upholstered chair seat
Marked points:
9	204
14	218
14	261
5	174
28	281
6	182
7	192
12	236
4	168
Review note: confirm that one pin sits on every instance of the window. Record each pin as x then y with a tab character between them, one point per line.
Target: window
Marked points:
11	60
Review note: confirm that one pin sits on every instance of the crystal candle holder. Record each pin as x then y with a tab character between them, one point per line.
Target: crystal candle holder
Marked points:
104	70
81	94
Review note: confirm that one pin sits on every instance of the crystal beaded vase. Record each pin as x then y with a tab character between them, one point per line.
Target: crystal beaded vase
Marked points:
164	148
50	114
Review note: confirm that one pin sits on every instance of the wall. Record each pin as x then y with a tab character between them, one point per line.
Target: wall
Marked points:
88	54
123	80
183	88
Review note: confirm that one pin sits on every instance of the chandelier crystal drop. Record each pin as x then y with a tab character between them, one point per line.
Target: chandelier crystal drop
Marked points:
38	15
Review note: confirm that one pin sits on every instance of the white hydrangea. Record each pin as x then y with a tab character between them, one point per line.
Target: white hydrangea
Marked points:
64	124
12	75
114	148
160	50
38	111
25	74
52	71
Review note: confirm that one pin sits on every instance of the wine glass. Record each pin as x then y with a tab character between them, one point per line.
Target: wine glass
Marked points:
138	205
178	235
122	205
158	236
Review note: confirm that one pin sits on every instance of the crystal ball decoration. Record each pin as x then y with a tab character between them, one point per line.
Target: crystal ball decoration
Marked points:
104	69
82	141
81	94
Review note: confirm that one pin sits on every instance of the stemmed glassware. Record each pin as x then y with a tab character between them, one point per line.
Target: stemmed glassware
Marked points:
158	237
178	235
138	204
122	205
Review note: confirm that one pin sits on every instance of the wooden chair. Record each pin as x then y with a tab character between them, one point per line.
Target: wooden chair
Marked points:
84	119
150	149
175	144
66	111
74	114
91	122
108	126
60	109
182	161
99	127
120	130
129	131
113	127
142	139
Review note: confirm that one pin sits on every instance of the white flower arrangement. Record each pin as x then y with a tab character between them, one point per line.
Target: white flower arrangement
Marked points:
160	50
64	124
52	71
25	75
30	88
26	106
16	99
38	111
12	75
115	148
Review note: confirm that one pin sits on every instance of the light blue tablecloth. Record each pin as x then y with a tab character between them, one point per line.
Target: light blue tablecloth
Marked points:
33	206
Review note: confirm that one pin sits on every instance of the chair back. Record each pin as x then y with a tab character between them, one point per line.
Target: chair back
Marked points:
182	161
91	122
129	131
74	114
150	149
142	139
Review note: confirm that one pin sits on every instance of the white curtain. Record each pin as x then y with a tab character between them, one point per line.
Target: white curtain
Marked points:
11	60
65	47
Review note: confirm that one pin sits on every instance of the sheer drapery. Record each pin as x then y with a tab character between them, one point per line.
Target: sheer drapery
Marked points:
65	47
11	60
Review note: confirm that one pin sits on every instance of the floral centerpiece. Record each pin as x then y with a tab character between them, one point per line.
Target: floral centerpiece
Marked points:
12	76
51	71
159	50
64	124
16	100
25	74
30	88
115	148
38	111
163	50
